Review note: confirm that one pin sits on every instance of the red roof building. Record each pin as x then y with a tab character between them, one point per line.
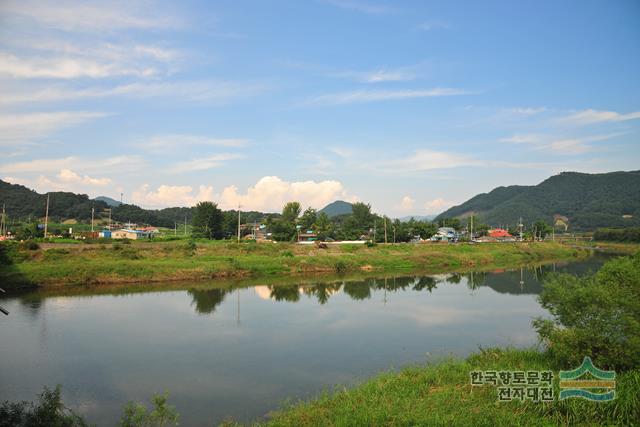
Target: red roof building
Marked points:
499	232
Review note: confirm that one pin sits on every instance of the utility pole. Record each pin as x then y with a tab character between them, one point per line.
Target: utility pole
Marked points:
385	229
239	206
3	224
394	234
185	225
175	228
46	218
471	235
93	210
121	194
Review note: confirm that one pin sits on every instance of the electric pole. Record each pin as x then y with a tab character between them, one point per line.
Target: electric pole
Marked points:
92	214
239	206
46	218
385	230
471	235
185	225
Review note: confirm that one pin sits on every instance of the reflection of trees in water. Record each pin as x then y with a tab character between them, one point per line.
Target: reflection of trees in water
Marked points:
322	291
207	300
357	290
289	293
425	283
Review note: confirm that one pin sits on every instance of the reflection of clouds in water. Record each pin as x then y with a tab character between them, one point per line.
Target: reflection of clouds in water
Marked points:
263	292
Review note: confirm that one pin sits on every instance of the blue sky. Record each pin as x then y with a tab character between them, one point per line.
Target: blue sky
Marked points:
412	106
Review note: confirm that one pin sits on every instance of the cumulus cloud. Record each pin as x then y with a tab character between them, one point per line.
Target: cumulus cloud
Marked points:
172	195
70	177
406	204
270	193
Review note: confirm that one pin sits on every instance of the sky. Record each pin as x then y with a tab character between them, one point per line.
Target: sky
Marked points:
412	106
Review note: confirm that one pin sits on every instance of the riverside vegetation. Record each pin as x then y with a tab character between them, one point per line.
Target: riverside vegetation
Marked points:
30	264
596	316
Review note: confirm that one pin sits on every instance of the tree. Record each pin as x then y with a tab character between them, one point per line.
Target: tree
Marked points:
291	212
323	226
308	219
541	228
208	221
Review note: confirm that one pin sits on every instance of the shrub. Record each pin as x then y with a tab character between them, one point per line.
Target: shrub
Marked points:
287	254
48	411
371	244
30	245
137	414
596	316
341	266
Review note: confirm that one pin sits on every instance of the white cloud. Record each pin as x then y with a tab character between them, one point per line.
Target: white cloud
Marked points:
406	204
424	160
91	16
362	6
437	205
66	68
379	76
119	164
21	128
341	151
560	145
586	117
204	163
70	177
383	95
172	195
189	91
174	141
270	193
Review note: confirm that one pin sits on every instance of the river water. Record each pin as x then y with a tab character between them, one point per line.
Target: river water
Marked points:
241	349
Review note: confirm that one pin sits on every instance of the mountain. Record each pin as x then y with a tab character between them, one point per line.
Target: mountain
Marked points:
108	200
587	201
417	218
336	208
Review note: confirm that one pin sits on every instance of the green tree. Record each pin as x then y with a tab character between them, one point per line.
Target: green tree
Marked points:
162	414
291	212
323	226
208	221
308	219
541	228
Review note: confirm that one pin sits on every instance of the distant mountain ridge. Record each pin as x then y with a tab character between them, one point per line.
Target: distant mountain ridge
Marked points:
339	207
108	200
588	201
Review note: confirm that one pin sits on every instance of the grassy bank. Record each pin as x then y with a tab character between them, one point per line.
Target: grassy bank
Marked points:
52	264
441	394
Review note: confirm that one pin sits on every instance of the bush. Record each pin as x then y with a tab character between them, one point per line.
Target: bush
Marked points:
137	414
287	254
30	245
597	316
371	244
341	266
48	411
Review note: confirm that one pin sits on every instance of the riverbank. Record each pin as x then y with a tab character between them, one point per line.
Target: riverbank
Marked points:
52	265
441	394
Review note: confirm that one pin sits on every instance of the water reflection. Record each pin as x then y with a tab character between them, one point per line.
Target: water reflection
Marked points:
523	281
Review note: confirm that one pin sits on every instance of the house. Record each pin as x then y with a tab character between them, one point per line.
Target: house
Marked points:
105	234
309	236
498	232
131	234
445	234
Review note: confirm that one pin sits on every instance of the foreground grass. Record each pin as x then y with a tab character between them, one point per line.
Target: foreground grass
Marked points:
56	264
441	394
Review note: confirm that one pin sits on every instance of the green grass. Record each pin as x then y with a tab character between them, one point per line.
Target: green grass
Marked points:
441	394
63	264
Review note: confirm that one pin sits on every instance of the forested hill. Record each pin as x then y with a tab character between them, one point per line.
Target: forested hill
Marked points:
22	203
588	201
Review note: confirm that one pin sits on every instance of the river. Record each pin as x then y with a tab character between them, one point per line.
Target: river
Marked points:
239	350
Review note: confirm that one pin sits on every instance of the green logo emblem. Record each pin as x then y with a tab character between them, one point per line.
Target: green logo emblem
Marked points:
599	387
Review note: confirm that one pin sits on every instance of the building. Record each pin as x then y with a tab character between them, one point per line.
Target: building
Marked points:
498	233
445	234
131	234
105	234
309	236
